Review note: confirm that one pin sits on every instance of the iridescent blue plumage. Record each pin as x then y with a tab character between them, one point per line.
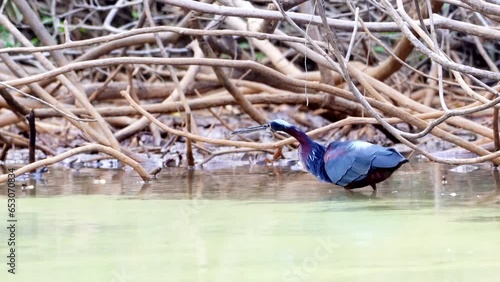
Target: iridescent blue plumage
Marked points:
351	164
355	164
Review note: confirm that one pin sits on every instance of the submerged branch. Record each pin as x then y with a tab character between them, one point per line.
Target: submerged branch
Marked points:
87	148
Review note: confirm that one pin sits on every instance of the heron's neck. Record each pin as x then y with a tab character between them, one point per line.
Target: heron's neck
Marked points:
304	140
311	154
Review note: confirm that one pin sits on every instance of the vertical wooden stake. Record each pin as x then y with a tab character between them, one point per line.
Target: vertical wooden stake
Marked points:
189	147
32	136
496	138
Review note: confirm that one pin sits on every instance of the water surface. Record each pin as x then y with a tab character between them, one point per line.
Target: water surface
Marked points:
257	224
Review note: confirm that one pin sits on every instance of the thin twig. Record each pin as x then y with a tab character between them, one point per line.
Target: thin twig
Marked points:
47	104
353	37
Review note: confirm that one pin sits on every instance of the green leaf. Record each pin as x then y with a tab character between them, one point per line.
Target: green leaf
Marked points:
6	37
379	49
260	56
35	41
244	45
135	14
46	19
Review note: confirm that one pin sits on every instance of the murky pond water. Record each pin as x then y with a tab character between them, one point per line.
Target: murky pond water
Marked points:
259	224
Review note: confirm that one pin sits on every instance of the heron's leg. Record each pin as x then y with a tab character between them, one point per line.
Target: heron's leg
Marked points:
278	154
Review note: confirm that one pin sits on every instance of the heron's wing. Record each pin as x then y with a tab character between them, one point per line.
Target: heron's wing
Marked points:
388	158
346	162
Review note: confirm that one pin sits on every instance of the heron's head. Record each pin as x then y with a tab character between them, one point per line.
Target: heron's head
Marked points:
279	125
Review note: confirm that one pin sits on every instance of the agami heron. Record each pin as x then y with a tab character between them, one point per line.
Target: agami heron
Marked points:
350	164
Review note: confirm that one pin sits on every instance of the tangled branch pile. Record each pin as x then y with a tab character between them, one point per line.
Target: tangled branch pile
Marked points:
109	73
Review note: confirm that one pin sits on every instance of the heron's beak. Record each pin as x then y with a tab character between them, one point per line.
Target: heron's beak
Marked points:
251	129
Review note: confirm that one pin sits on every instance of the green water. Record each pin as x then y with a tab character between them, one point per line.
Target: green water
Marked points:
261	225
